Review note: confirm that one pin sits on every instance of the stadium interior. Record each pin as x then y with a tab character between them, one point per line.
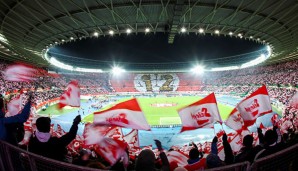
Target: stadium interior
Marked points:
169	56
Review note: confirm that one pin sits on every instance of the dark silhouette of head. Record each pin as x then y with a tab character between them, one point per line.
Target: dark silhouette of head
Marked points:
194	153
43	124
270	137
248	140
145	161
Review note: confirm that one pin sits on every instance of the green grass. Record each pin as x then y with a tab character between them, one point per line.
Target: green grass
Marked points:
53	110
169	114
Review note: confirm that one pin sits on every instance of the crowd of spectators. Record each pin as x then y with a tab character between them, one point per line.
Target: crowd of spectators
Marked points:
281	81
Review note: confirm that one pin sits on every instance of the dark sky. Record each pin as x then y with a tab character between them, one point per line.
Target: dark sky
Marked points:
154	48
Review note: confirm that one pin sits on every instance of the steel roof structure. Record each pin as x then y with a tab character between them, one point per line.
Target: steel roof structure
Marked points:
29	26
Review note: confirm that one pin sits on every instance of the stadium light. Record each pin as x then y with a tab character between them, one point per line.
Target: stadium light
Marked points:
251	37
62	40
56	42
117	70
183	29
128	31
199	69
230	33
216	31
111	32
147	30
258	39
95	34
201	30
239	35
71	38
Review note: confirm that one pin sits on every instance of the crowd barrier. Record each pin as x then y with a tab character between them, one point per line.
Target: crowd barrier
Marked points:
15	159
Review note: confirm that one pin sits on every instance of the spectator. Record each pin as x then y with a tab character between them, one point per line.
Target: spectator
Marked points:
19	118
52	147
146	159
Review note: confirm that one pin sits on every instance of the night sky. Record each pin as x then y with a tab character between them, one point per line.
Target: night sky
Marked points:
154	48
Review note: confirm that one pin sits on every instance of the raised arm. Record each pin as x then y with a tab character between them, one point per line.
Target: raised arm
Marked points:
163	157
20	118
71	135
229	157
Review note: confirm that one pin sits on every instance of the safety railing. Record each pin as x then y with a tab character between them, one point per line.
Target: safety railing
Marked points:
15	159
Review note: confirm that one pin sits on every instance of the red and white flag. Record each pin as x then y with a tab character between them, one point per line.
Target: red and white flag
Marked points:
132	139
201	114
19	72
71	97
255	105
274	119
94	134
15	106
177	157
235	120
111	150
114	132
126	114
206	147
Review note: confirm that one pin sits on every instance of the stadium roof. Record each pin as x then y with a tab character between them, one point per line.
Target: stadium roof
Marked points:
29	26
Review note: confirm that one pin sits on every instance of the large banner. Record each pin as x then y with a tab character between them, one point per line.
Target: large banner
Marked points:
156	82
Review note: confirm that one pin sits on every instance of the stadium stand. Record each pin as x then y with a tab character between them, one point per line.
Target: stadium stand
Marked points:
281	79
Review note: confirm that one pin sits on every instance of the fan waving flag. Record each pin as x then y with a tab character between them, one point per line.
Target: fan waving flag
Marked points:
15	105
255	105
19	72
71	97
201	114
126	114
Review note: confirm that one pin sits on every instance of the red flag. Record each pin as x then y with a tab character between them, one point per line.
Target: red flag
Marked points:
71	97
262	126
59	132
255	105
111	150
19	72
94	134
206	147
235	121
132	138
15	106
115	133
201	114
274	119
177	157
126	114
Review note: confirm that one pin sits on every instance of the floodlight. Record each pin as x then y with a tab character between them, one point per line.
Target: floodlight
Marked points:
95	34
128	31
230	33
51	44
71	38
183	29
216	31
258	39
111	32
117	70
56	42
147	30
239	34
201	30
251	37
199	69
62	40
